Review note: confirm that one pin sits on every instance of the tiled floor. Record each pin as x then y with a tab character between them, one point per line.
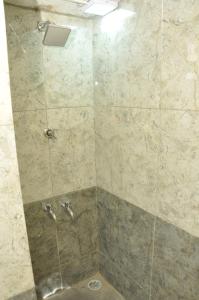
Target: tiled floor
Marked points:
81	291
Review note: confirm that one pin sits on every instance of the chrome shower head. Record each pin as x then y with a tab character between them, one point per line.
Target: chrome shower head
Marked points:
54	35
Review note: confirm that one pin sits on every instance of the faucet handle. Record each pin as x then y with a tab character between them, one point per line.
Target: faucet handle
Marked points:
67	206
48	209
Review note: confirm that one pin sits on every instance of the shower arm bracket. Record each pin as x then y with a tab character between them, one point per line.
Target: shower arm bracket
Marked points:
42	25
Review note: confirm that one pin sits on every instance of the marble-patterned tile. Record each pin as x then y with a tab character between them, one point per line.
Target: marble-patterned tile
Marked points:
49	285
79	269
15	279
33	155
5	110
34	67
127	147
25	59
68	70
176	264
78	237
177	194
73	149
179	63
126	62
120	281
27	295
125	233
16	271
81	291
42	239
15	266
5	99
68	244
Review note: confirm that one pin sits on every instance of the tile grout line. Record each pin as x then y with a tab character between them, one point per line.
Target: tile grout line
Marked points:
47	124
51	176
110	106
50	157
112	263
160	110
98	234
149	108
152	258
160	51
52	108
59	258
95	143
94	108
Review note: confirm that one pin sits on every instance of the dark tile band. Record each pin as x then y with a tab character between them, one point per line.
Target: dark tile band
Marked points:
139	254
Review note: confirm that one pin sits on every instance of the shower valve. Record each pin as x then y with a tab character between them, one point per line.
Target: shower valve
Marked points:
49	133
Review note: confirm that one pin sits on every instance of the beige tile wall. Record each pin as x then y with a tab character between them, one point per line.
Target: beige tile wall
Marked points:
146	107
51	87
73	152
15	266
68	72
147	118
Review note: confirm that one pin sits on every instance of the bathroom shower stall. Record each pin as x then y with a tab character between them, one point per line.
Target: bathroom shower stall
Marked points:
105	111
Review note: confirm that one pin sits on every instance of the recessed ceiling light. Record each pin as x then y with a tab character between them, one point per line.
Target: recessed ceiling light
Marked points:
101	8
114	21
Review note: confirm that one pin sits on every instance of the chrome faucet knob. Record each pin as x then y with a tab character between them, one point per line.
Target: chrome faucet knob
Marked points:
68	207
48	209
49	133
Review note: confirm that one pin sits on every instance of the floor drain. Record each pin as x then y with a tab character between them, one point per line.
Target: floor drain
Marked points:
94	285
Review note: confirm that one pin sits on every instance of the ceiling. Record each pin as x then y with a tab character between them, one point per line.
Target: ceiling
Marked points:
67	7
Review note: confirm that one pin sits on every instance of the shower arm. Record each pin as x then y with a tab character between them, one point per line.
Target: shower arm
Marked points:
42	25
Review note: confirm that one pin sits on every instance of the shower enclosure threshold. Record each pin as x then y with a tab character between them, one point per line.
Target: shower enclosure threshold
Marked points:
82	291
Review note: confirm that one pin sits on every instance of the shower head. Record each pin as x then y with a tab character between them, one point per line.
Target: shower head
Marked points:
54	35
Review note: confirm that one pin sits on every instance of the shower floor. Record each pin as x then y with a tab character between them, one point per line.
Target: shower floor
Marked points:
81	291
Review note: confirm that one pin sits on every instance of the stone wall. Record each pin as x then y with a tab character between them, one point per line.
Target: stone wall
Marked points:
144	257
52	87
146	109
15	266
65	251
